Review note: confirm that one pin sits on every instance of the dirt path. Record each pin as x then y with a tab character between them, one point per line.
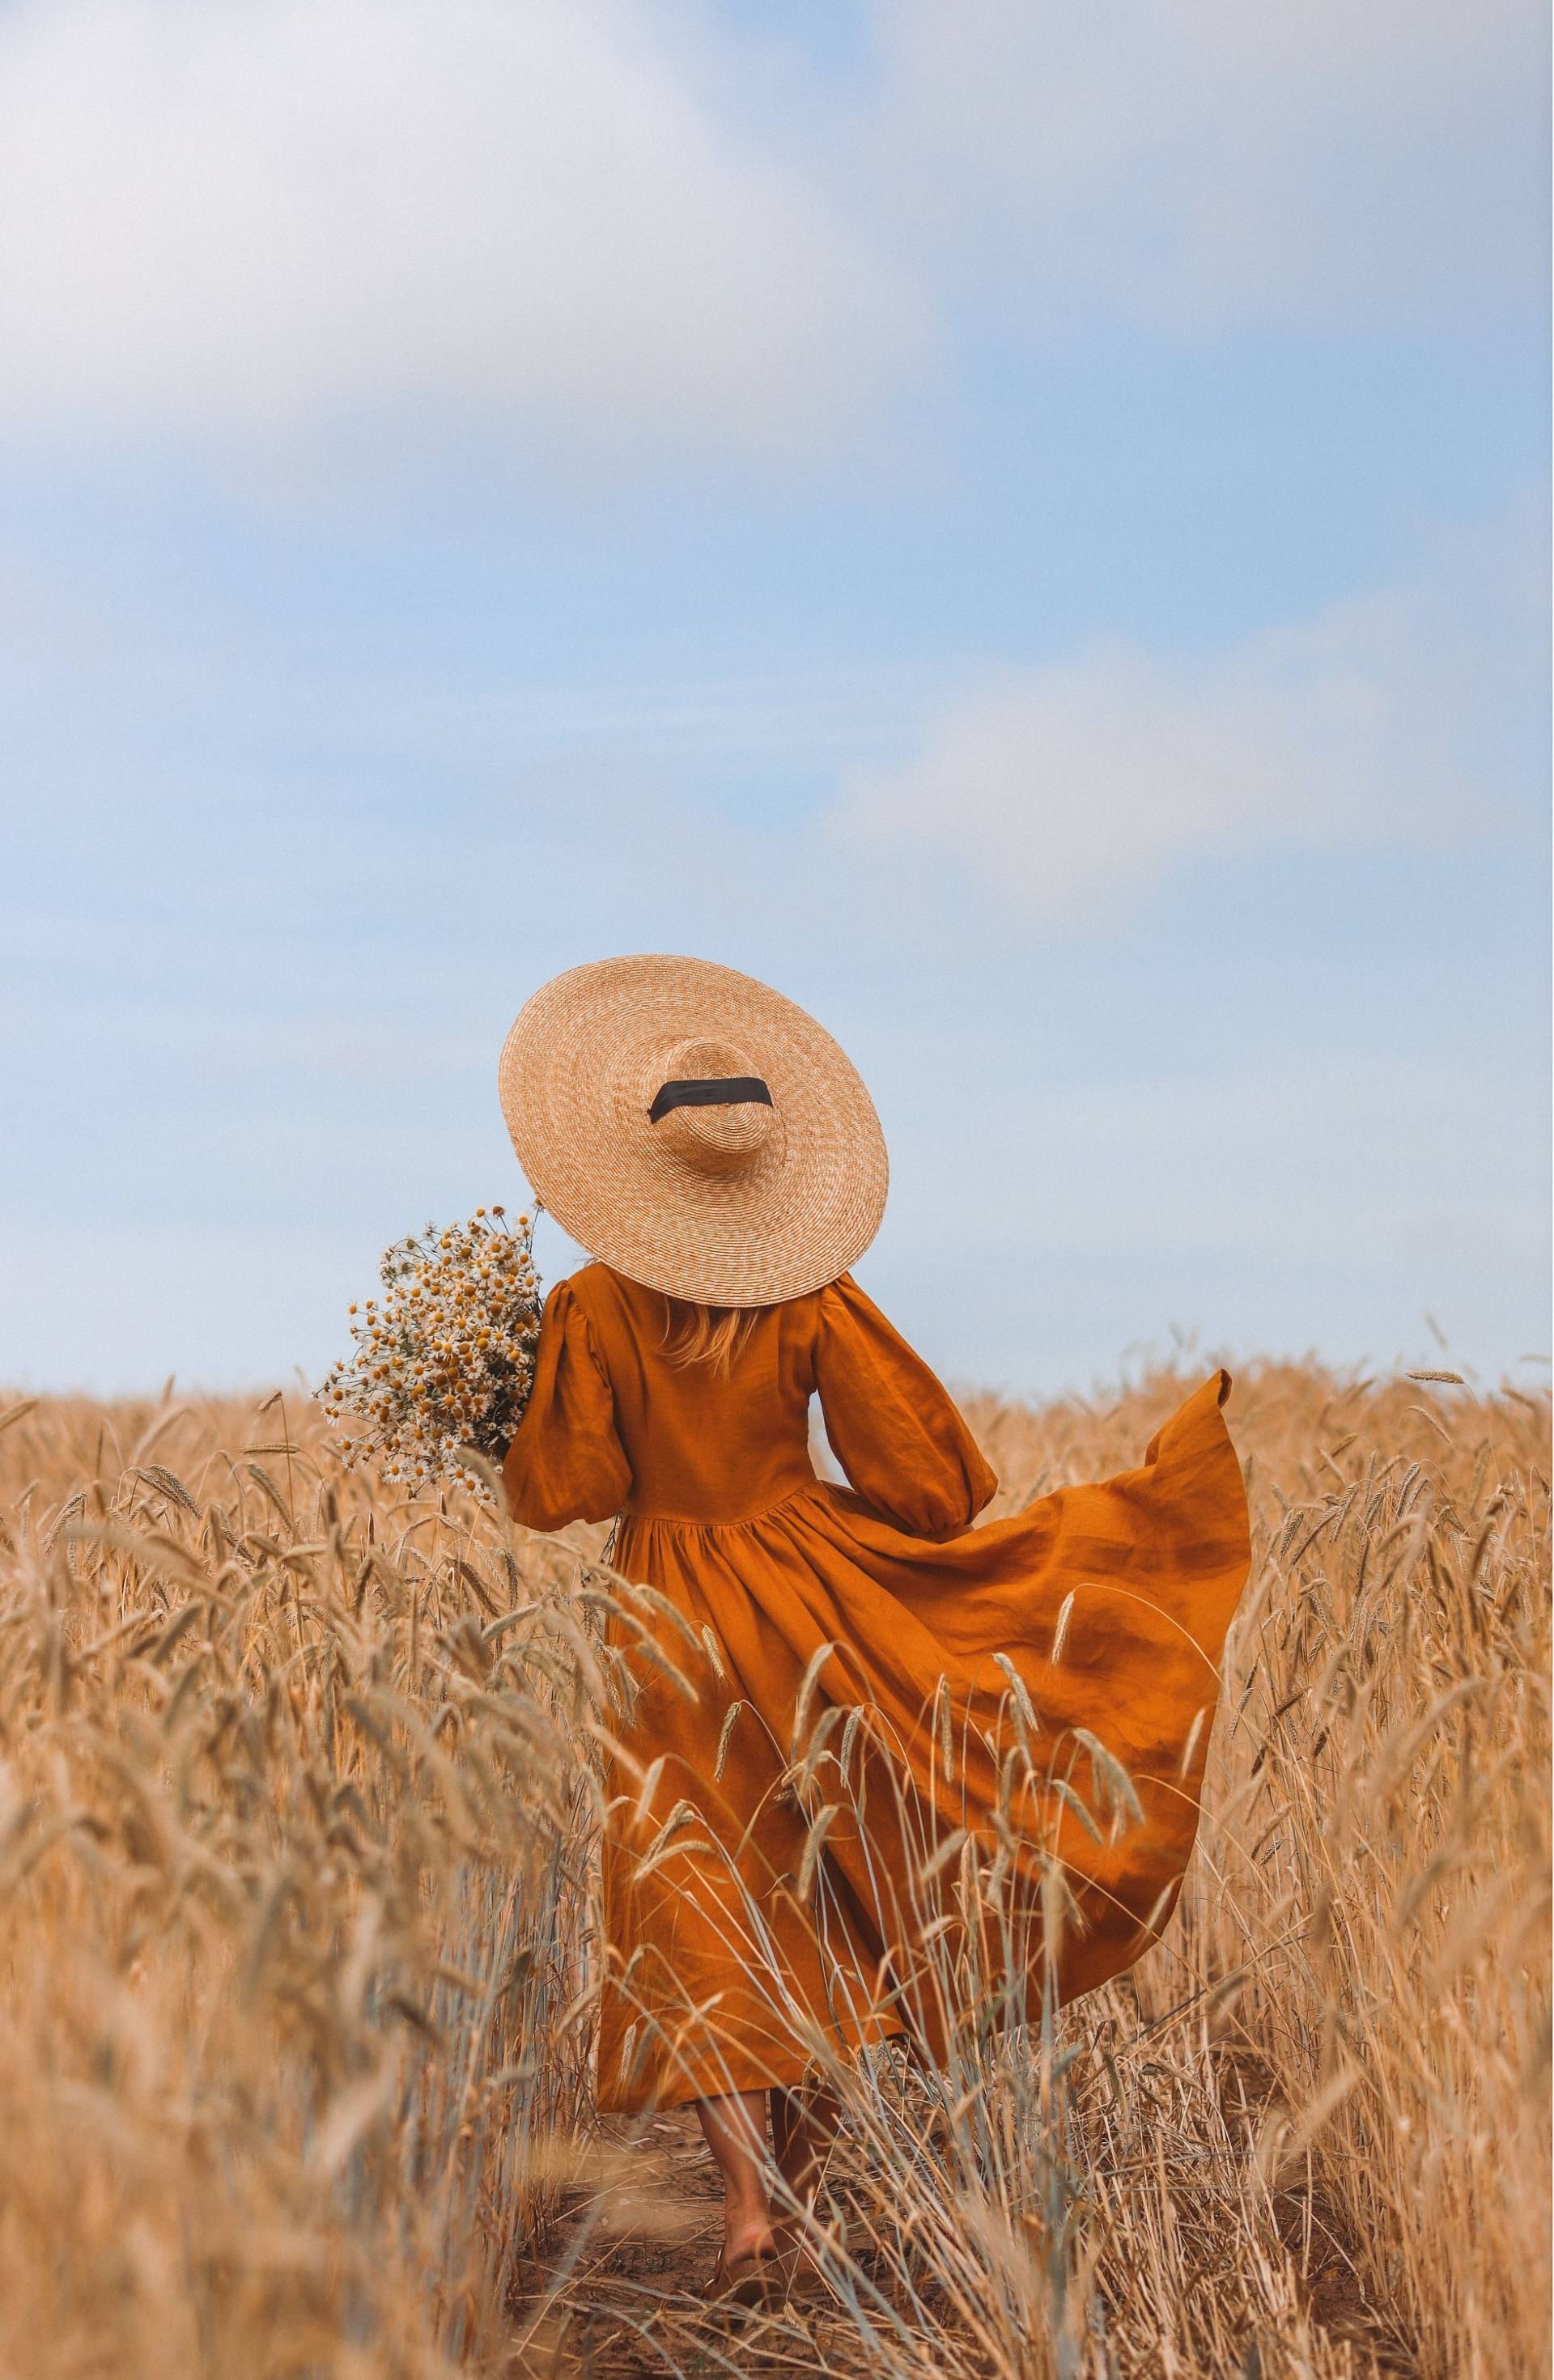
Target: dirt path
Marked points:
636	2244
644	2244
633	2253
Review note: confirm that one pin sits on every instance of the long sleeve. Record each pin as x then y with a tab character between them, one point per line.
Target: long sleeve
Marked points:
895	1431
566	1462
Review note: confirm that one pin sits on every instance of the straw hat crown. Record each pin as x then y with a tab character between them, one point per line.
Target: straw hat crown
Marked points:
694	1129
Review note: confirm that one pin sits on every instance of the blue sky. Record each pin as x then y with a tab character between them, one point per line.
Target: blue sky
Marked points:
1023	524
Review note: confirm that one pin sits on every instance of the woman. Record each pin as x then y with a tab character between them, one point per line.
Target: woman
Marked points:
872	1765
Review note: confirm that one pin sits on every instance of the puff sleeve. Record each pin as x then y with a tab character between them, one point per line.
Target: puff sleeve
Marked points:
566	1462
895	1429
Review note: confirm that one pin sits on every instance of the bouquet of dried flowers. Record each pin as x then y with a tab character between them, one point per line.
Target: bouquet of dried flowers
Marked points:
445	1360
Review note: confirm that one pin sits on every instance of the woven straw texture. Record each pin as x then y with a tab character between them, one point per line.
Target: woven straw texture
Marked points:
731	1206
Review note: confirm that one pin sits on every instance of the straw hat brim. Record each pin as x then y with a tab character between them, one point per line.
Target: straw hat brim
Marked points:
580	1071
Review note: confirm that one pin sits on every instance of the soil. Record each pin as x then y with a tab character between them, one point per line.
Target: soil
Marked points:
632	2255
637	2237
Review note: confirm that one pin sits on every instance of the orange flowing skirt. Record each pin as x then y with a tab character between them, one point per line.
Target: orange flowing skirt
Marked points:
866	1784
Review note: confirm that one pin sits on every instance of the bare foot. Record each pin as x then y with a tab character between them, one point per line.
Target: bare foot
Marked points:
736	2131
799	2238
749	2266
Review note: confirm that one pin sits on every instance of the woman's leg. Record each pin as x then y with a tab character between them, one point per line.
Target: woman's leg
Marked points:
736	2130
804	2125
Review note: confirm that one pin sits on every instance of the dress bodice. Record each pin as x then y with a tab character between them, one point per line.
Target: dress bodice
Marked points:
615	1423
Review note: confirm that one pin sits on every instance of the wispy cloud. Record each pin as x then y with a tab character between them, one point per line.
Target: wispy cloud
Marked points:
1067	792
1203	162
226	221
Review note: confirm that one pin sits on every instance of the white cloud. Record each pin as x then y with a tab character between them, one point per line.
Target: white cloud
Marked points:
1069	790
252	218
1208	161
223	218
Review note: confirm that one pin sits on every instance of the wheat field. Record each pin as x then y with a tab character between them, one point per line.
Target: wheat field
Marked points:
297	1816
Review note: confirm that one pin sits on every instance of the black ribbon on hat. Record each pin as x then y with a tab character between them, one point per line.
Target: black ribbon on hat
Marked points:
711	1091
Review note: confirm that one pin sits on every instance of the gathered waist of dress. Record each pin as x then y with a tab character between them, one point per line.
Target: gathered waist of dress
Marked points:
637	1508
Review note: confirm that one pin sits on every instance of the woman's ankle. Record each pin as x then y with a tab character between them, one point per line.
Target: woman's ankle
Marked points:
748	2231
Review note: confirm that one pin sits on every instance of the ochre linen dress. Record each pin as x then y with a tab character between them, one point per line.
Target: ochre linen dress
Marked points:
1005	1727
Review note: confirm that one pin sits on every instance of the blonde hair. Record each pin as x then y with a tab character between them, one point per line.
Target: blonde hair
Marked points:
714	1335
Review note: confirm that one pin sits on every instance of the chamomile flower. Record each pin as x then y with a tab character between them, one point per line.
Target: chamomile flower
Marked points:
446	1360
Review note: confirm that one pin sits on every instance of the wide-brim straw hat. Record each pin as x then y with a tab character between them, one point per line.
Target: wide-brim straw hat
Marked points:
694	1129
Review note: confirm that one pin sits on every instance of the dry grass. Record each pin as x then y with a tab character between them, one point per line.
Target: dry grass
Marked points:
294	1828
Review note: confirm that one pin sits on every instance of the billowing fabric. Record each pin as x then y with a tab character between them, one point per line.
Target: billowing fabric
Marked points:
873	1755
